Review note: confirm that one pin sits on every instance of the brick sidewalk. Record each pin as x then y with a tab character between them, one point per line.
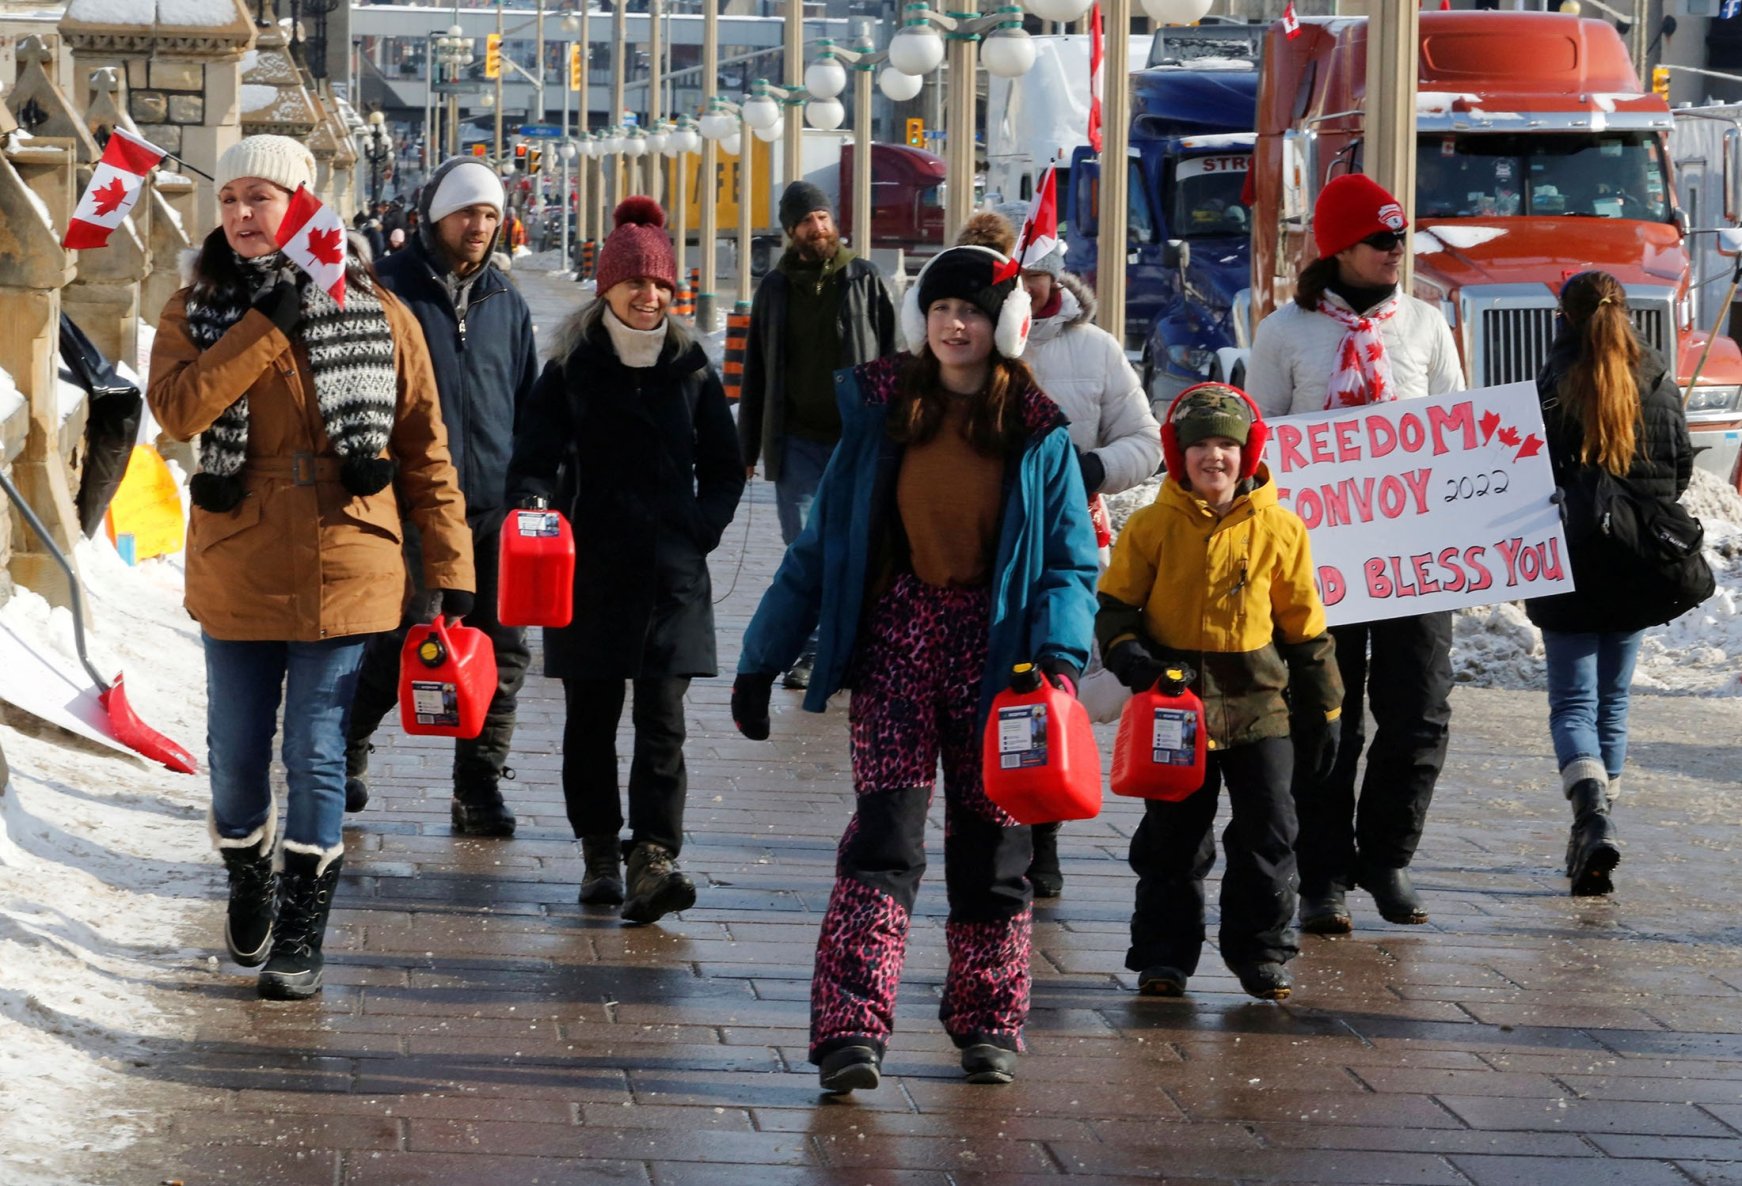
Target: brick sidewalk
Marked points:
479	1026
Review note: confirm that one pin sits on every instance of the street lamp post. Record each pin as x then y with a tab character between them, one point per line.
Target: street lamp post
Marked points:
683	140
377	144
619	40
453	54
710	162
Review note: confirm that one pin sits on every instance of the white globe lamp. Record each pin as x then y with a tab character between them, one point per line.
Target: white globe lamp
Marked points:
1058	10
760	109
1176	12
826	77
898	87
918	48
686	138
826	114
732	145
1008	51
771	133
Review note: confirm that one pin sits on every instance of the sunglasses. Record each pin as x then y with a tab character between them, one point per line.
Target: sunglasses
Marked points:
1384	240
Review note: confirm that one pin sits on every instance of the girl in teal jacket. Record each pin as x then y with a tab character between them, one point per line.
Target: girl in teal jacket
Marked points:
949	541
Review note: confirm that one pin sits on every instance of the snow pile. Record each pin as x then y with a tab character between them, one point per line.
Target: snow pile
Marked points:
101	858
1437	238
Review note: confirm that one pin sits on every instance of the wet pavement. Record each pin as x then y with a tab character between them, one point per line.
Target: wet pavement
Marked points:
480	1026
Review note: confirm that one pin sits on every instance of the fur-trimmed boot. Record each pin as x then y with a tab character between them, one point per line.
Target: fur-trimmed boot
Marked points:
253	894
305	898
1592	852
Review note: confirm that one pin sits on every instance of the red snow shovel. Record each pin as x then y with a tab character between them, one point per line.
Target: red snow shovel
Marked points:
128	729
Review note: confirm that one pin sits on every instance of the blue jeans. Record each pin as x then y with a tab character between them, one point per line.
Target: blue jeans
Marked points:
801	470
244	682
1588	680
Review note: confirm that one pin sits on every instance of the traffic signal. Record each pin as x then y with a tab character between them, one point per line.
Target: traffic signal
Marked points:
520	157
532	155
1660	82
575	66
916	133
478	148
493	56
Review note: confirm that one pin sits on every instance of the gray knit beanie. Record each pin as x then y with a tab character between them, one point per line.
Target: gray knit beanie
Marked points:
799	199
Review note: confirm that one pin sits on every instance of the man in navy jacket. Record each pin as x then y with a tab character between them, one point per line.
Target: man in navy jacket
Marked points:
479	333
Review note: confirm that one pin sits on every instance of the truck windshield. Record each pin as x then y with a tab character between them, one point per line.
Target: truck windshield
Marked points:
1206	196
1573	174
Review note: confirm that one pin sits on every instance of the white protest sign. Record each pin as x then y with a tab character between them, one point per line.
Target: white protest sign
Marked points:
1424	504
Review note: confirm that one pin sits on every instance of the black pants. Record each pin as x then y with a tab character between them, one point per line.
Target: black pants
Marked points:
1402	669
478	761
1175	848
658	781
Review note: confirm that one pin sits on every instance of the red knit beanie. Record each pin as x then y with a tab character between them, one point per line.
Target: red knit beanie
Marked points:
638	247
1349	209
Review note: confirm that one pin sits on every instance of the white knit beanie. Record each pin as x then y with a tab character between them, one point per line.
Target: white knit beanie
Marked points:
469	183
277	159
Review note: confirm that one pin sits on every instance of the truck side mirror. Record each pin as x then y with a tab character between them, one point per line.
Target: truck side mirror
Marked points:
1176	253
1300	176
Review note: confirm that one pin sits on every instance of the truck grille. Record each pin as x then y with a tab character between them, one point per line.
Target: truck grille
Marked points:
1514	334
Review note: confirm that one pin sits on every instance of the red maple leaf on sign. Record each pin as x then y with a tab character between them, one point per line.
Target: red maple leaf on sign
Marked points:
1509	436
1531	447
1490	421
325	246
110	196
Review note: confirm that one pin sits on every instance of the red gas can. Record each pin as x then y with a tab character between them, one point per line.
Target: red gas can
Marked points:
447	676
1039	760
1160	750
537	576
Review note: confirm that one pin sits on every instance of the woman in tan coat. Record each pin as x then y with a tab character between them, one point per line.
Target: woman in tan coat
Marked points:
310	417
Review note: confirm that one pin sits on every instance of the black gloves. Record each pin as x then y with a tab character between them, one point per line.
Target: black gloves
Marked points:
428	604
750	693
282	303
1133	665
1063	674
1094	473
1315	744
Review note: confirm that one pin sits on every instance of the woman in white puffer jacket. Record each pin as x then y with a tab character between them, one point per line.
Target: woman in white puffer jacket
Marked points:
1083	369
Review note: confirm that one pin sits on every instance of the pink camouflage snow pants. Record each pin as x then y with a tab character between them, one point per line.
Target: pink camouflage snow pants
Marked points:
915	701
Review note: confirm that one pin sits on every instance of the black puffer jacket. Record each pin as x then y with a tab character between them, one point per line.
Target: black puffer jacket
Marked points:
1663	464
645	463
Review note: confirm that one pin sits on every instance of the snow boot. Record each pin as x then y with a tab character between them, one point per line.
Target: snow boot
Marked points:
602	879
1325	912
305	898
478	808
253	897
1591	849
1043	869
356	766
1266	980
656	888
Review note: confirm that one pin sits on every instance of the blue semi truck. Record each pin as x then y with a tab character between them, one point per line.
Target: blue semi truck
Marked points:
1188	230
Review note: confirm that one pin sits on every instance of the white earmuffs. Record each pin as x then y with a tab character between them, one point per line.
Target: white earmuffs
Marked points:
1015	316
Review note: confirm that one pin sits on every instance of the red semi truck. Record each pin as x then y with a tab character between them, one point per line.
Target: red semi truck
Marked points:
1538	155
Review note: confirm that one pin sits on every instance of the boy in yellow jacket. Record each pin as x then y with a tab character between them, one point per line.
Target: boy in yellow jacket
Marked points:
1217	576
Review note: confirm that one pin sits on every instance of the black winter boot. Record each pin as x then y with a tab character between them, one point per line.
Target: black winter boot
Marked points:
1591	849
253	897
602	880
1325	912
305	898
656	888
1394	895
356	766
478	808
1043	871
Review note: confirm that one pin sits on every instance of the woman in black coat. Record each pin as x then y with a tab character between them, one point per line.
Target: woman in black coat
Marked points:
1608	402
629	434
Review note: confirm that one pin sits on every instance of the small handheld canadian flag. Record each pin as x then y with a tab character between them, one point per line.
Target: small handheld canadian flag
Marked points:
312	236
1097	76
1290	21
1039	236
115	186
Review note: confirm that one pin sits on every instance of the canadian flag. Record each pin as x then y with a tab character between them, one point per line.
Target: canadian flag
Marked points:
115	186
314	239
1039	236
1290	21
1097	76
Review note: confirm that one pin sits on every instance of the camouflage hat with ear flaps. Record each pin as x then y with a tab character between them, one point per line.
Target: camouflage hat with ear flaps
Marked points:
1211	410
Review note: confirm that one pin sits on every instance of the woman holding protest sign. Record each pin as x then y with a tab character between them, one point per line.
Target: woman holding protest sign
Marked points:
1351	338
1610	405
319	427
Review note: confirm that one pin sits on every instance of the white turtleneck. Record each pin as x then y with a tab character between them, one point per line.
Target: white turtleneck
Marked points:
637	349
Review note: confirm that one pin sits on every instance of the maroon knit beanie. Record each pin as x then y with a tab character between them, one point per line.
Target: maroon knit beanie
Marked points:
638	247
1350	208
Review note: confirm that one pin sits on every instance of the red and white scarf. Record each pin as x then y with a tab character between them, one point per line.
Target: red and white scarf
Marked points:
1363	374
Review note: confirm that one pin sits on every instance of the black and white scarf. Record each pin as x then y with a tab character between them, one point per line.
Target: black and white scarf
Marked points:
350	354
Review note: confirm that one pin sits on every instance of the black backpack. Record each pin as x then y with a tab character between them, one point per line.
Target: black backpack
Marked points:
1635	555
